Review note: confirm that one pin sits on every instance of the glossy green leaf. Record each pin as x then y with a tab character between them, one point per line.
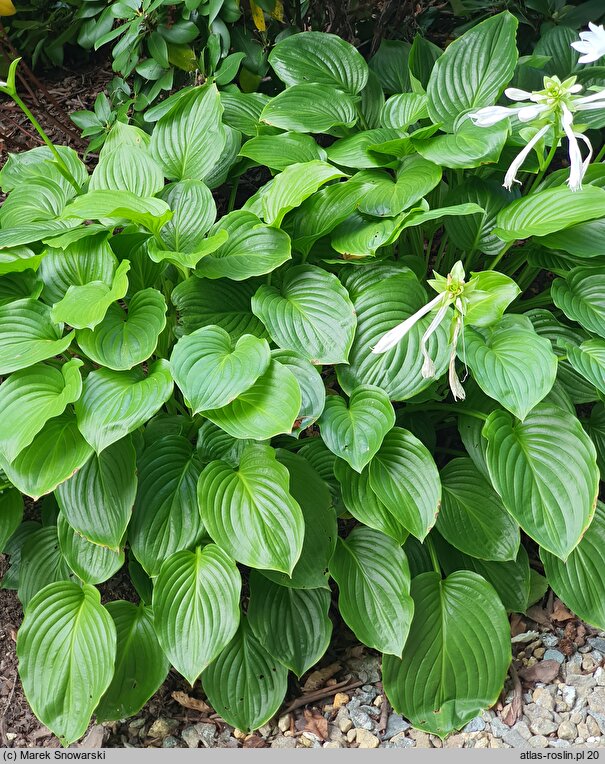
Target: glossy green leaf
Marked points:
365	506
166	519
11	514
280	151
251	248
311	108
320	58
92	563
472	517
97	501
127	168
28	335
292	624
580	581
119	205
474	69
589	361
476	232
491	294
546	473
548	211
29	398
580	296
41	563
141	666
187	141
194	213
310	312
415	178
53	456
310	382
403	109
355	431
357	150
211	371
245	685
405	478
64	626
123	338
373	579
511	363
196	607
114	403
457	654
469	146
250	513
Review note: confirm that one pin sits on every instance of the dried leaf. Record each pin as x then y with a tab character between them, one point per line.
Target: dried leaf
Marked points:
318	678
539	615
544	671
561	613
316	724
254	741
517	625
512	712
195	704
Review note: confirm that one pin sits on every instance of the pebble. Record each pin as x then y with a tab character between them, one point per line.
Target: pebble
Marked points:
538	741
542	726
345	724
160	728
341	699
554	655
400	741
284	722
360	719
421	738
600	720
567	731
333	744
514	739
523	730
544	697
395	725
366	739
283	742
597	643
596	700
170	742
191	737
550	640
475	725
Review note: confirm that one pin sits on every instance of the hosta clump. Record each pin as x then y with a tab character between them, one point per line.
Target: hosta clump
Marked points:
381	374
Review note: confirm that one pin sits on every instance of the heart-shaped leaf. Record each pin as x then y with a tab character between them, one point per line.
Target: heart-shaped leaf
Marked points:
250	513
457	654
11	514
588	360
92	563
194	213
373	579
355	432
415	178
312	390
41	563
310	108
580	297
66	647
196	607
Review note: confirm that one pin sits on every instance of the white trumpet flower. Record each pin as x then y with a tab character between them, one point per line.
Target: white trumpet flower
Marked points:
591	44
551	108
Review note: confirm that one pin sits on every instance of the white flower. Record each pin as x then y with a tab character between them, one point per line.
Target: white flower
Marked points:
591	44
395	335
550	108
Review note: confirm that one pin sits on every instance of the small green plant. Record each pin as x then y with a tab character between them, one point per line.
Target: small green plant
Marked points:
379	372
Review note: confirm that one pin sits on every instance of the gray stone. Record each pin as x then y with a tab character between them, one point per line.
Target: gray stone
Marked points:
370	711
599	719
555	743
395	725
499	729
544	697
554	655
400	741
514	739
567	731
366	694
568	693
191	736
475	725
367	668
534	711
596	700
550	640
538	741
360	719
542	726
170	742
207	733
597	643
523	730
283	742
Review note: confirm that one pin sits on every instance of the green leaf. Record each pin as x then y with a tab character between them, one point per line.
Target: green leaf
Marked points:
293	185
588	360
579	581
365	506
476	232
29	398
166	518
97	500
310	108
511	363
292	624
456	656
266	409
127	167
202	302
474	69
17	286
114	403
549	211
251	248
66	648
11	514
321	58
373	579
250	513
194	213
415	178
405	478
85	306
117	206
312	390
472	517
382	298
123	338
28	335
214	443
212	371
186	260
53	456
310	313
355	432
595	427
511	579
92	563
403	109
242	110
578	240
469	146
360	236
196	607
13	549
491	294
313	496
187	141
18	259
41	563
141	666
580	297
280	151
546	473
390	65
357	150
245	685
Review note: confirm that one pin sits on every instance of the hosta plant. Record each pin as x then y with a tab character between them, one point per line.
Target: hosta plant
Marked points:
290	349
